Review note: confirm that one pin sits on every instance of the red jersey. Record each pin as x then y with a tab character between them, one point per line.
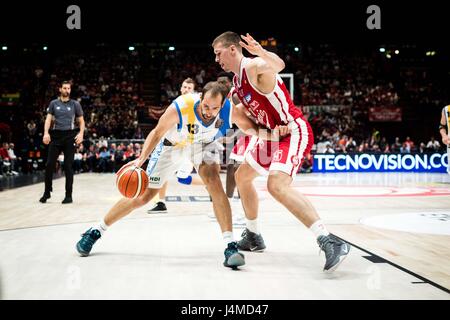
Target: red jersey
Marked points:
269	109
4	154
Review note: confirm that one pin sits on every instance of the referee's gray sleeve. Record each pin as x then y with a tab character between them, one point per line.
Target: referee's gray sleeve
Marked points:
51	108
78	109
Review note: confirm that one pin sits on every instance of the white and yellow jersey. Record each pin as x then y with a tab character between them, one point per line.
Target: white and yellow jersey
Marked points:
191	128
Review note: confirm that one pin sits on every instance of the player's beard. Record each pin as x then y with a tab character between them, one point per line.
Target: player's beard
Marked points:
206	117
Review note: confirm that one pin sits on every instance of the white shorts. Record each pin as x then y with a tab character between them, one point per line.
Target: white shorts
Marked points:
166	160
185	169
242	146
285	155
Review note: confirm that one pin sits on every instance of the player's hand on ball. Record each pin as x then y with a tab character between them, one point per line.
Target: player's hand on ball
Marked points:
137	162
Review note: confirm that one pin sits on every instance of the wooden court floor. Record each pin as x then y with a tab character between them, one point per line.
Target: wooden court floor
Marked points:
398	224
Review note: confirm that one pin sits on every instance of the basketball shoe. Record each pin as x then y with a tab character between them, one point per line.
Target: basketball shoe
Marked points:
233	258
84	246
335	250
159	207
251	242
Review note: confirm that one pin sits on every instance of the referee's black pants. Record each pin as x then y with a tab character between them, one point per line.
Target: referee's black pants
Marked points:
61	140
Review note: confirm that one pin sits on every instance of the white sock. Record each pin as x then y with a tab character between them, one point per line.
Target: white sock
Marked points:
252	225
319	229
227	237
102	227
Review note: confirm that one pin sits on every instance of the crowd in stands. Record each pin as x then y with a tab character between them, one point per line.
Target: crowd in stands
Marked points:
105	157
90	156
341	143
181	64
109	85
325	76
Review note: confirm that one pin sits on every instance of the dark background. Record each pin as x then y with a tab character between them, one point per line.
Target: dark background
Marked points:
201	21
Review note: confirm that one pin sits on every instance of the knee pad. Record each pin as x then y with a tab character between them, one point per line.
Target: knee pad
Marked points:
187	180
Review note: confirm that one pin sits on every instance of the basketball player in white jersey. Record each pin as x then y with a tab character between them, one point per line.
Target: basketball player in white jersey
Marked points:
184	173
264	95
188	129
444	129
230	184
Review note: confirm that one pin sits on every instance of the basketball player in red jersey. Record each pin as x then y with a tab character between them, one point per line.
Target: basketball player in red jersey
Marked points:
264	95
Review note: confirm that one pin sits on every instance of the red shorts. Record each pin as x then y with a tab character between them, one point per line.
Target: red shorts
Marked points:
241	146
285	155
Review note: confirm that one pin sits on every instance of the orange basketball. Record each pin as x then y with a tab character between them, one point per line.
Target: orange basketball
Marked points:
131	181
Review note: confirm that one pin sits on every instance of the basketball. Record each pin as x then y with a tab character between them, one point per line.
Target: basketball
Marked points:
131	181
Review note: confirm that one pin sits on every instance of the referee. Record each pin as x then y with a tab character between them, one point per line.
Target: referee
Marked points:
62	137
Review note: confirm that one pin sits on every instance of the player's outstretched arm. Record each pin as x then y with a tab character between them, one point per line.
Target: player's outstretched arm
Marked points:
166	122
